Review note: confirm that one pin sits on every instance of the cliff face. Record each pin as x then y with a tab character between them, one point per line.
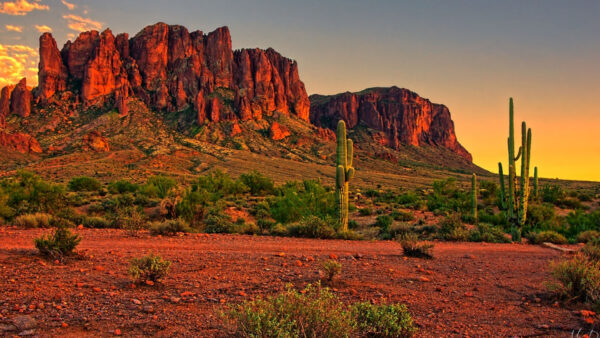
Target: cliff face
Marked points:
403	116
172	69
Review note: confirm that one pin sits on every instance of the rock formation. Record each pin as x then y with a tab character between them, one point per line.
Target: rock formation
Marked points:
96	142
20	99
401	115
171	69
22	143
5	103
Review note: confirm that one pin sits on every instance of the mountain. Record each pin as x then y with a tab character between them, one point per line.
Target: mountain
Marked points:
180	103
401	115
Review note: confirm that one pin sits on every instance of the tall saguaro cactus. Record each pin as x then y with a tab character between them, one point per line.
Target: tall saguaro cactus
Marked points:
502	187
474	197
518	192
344	173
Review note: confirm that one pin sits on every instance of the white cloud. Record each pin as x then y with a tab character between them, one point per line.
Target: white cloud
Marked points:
21	7
80	24
12	28
43	28
70	6
17	62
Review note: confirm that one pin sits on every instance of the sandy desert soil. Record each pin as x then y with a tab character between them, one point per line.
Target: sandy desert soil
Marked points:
467	290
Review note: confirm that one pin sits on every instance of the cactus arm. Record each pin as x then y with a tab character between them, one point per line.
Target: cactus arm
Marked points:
535	183
349	152
502	187
518	154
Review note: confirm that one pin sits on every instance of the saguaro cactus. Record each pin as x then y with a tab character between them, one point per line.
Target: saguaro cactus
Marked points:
344	173
502	188
535	183
474	197
517	200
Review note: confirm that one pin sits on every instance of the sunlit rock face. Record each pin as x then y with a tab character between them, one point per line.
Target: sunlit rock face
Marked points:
402	115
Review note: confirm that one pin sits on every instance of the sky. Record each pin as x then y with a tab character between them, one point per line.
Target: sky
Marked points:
469	55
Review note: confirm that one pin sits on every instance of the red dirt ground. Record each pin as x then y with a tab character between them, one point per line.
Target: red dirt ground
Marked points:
467	290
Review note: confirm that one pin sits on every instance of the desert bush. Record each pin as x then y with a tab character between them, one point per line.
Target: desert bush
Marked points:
278	230
28	193
6	211
579	221
330	269
384	222
133	220
60	243
122	186
37	220
169	227
84	183
293	201
311	227
452	229
488	216
488	233
151	267
365	211
409	199
219	185
158	186
447	198
314	312
591	250
489	192
541	216
402	216
546	236
96	222
258	183
412	248
588	236
578	280
551	193
383	320
349	235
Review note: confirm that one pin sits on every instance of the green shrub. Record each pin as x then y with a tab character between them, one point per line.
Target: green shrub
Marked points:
311	227
588	236
37	220
122	186
547	236
258	183
219	185
158	186
330	268
488	233
278	230
541	216
96	222
447	198
592	250
365	211
151	267
28	193
169	227
295	201
384	222
6	211
578	279
61	243
579	221
402	216
133	220
397	229
452	229
316	312
412	248
551	193
383	320
84	183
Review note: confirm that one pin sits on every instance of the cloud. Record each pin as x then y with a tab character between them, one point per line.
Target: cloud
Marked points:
21	7
17	62
70	6
12	28
80	24
43	28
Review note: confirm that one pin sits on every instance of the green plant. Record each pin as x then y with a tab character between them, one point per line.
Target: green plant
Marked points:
314	312
151	267
384	222
95	222
383	320
330	268
84	183
258	183
452	229
548	236
578	279
28	193
402	216
122	186
169	227
311	227
295	201
60	243
517	198
412	248
487	233
474	197
588	236
535	183
158	186
365	211
344	173
37	220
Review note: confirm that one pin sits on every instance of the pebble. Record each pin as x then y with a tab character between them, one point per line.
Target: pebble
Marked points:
136	301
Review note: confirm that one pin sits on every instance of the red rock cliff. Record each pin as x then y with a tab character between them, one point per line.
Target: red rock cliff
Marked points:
172	69
403	116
